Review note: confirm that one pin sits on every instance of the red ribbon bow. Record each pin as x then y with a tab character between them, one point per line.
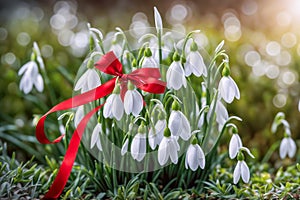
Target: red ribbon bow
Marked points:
146	79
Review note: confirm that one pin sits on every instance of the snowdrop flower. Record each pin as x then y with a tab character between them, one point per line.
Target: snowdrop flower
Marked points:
116	48
175	74
95	139
156	134
133	101
194	156
234	145
125	147
168	148
194	62
287	147
148	60
114	106
241	170
178	123
88	81
138	145
228	90
30	77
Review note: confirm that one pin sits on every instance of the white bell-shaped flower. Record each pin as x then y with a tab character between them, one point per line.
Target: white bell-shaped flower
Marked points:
241	170
194	62
234	145
156	134
30	77
178	123
287	148
168	148
148	59
95	139
124	148
175	74
114	106
138	145
133	101
228	90
88	81
194	157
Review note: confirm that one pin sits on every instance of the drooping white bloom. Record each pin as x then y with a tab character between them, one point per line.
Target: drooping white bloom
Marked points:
138	146
88	81
228	89
168	148
149	62
241	170
95	139
195	64
79	114
158	20
113	107
179	125
30	77
194	157
234	145
124	147
156	134
133	102
287	148
175	76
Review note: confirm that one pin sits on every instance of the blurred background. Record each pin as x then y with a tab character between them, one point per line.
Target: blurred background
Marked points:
261	38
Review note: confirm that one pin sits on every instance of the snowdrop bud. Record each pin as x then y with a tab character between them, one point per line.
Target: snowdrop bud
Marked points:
33	56
134	63
158	20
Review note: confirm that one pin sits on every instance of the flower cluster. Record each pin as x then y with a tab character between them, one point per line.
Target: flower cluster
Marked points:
173	123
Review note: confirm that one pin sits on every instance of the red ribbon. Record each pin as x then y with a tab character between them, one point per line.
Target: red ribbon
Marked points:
146	79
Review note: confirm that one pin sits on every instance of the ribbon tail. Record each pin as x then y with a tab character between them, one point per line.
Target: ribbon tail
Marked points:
68	161
81	99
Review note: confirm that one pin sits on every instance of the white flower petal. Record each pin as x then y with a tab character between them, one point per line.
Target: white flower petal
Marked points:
117	107
283	149
95	135
39	83
185	127
175	123
137	103
245	173
237	173
149	62
79	114
173	151
26	84
124	147
81	82
292	147
93	80
138	147
128	101
234	145
107	108
162	151
175	76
